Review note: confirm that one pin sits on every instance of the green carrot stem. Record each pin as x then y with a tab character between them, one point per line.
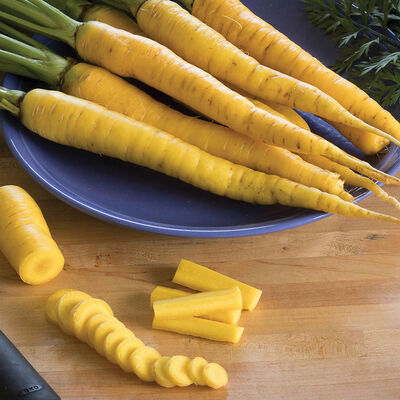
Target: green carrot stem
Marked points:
22	55
49	71
131	6
13	45
10	100
61	28
73	8
21	37
26	9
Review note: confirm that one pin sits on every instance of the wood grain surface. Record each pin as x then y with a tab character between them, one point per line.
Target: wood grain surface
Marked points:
327	326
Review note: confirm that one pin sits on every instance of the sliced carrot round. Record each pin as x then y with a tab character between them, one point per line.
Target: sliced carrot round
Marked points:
142	361
215	376
93	322
64	306
177	370
83	311
98	336
113	339
51	311
159	372
124	351
195	370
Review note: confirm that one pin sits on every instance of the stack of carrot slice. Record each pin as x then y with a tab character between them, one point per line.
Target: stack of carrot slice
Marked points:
92	321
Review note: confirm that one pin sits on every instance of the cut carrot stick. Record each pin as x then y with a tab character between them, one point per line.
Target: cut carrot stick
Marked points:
198	304
202	328
197	277
163	293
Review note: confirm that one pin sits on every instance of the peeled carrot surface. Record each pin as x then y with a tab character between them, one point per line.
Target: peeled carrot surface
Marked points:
157	66
166	22
273	49
25	239
197	277
89	126
163	293
198	304
202	328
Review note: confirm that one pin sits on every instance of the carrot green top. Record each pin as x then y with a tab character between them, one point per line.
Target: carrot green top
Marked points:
40	17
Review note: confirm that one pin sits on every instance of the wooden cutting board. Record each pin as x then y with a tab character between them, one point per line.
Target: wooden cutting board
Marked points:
327	326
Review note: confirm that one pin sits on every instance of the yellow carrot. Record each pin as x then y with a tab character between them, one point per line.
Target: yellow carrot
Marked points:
352	178
366	141
25	239
169	24
102	87
273	49
273	108
163	293
198	304
113	17
87	11
135	56
81	124
200	327
198	277
198	89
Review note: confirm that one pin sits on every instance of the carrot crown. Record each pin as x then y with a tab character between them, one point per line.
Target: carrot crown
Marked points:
22	55
74	8
40	17
10	100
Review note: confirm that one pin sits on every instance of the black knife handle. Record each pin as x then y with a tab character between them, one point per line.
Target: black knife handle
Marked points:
18	379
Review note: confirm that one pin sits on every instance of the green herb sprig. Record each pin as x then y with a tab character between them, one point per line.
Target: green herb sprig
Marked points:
368	35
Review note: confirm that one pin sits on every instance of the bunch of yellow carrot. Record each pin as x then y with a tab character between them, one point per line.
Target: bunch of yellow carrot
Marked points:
212	314
264	153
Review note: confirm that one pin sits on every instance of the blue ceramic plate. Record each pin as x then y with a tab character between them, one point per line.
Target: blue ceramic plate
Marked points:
142	199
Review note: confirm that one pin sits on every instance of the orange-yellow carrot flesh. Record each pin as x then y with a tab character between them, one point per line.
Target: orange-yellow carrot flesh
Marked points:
200	327
164	293
273	49
25	239
198	304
